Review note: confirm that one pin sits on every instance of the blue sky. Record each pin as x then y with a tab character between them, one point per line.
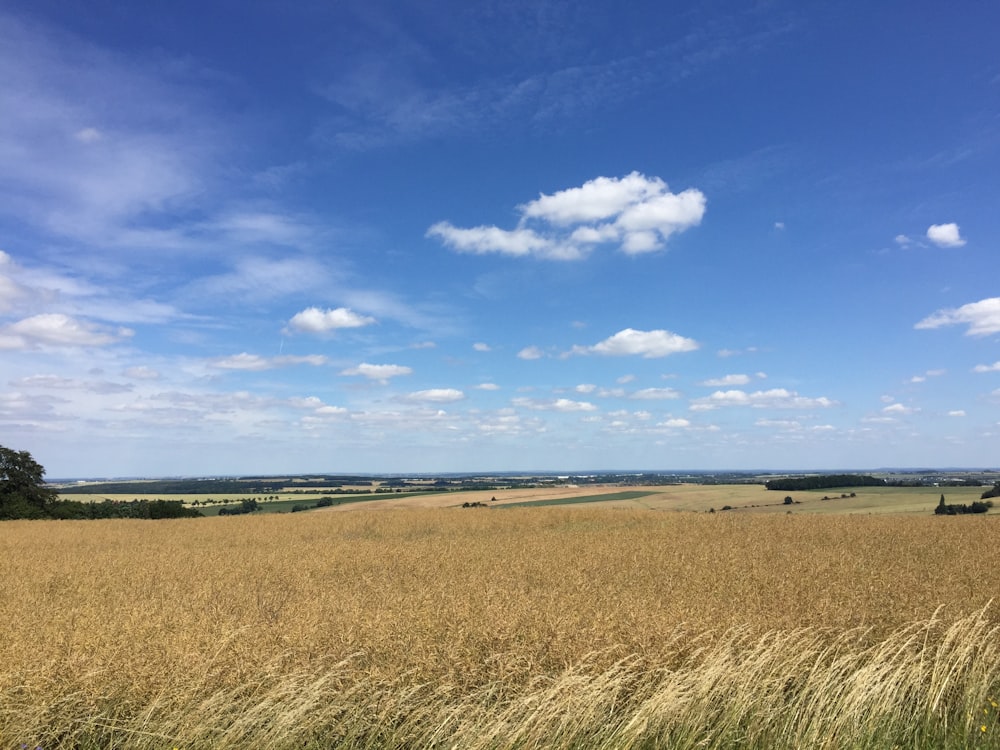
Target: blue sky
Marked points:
265	237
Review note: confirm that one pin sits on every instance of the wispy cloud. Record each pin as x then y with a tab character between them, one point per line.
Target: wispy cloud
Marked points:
254	362
379	373
437	395
775	398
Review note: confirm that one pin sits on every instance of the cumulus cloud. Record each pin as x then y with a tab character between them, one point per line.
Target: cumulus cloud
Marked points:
488	387
727	380
995	367
437	395
380	373
945	235
56	329
775	398
648	344
898	409
982	318
676	422
530	352
956	413
314	320
479	346
635	212
559	404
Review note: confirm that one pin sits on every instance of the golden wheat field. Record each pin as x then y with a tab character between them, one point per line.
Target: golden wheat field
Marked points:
515	628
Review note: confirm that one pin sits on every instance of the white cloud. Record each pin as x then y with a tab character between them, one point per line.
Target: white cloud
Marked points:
654	394
314	320
437	395
636	212
725	353
585	388
254	362
56	329
317	407
775	398
995	367
88	135
530	352
902	240
779	225
675	422
898	409
956	413
559	404
331	411
878	420
726	380
485	240
625	379
488	387
598	199
927	374
142	372
983	317
649	344
783	424
380	373
945	235
481	347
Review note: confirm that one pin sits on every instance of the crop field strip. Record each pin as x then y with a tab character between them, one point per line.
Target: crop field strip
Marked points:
186	631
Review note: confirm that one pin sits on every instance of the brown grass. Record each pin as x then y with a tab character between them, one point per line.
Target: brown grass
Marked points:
262	631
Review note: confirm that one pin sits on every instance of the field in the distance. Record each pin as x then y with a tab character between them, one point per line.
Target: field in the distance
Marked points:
742	498
568	626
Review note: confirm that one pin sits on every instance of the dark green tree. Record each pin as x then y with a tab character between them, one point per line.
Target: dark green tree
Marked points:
23	493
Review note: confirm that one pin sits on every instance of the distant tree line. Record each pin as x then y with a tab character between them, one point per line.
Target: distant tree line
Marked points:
146	509
823	481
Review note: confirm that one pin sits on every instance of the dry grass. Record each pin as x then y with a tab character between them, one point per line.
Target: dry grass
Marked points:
536	627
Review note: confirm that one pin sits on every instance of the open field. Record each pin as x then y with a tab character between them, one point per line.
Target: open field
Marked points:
742	498
570	626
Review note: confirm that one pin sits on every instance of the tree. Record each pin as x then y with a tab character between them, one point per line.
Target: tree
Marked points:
23	493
